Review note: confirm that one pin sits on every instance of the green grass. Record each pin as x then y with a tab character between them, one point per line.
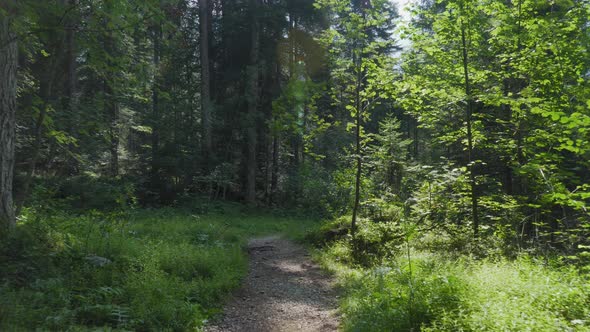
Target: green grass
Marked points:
162	269
439	292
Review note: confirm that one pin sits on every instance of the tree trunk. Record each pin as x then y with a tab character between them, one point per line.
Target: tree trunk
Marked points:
275	168
274	177
357	137
70	100
470	163
8	66
111	104
155	136
205	78
252	105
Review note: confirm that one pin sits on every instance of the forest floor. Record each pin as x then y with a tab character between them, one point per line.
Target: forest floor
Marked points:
283	291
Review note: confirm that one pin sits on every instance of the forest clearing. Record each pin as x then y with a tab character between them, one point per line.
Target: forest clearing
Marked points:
294	165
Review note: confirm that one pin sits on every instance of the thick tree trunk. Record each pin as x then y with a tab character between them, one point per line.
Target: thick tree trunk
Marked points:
252	105
8	66
470	163
205	78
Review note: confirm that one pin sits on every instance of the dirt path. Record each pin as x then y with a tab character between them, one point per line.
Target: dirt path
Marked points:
284	291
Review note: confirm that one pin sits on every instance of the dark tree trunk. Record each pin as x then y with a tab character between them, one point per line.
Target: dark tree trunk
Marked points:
70	100
274	177
111	104
8	66
204	15
252	105
275	169
155	136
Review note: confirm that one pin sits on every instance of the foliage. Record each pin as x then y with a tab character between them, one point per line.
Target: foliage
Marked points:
83	193
436	292
166	269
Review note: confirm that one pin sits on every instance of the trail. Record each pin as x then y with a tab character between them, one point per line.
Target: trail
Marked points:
284	291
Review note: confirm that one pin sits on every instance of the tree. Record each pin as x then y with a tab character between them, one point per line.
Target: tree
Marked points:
204	13
440	78
8	84
360	44
252	101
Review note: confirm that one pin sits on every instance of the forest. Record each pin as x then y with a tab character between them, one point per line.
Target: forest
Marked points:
430	159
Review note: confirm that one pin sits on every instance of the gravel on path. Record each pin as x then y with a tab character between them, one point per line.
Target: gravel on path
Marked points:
284	291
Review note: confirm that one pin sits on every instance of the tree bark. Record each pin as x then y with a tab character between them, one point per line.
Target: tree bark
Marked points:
252	105
70	101
155	136
357	137
274	176
8	66
111	104
205	78
469	115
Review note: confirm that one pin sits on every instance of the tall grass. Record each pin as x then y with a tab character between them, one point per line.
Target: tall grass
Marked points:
439	292
160	269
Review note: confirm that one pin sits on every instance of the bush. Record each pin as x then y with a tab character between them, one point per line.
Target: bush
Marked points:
397	297
82	192
88	192
433	292
375	242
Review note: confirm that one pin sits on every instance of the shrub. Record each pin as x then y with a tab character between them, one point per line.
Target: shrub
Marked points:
375	242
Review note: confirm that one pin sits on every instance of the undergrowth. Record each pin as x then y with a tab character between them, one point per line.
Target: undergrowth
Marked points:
413	287
160	269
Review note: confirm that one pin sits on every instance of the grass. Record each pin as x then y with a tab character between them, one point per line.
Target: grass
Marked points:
162	269
434	291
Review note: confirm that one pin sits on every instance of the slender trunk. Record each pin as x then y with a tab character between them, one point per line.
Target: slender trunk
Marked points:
70	102
112	111
155	137
212	56
8	66
275	168
469	111
110	103
512	83
275	148
508	174
268	166
415	139
357	134
296	141
205	78
252	105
